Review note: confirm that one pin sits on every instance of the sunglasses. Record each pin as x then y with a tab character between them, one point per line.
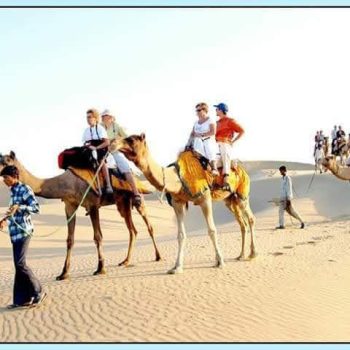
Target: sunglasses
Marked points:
198	110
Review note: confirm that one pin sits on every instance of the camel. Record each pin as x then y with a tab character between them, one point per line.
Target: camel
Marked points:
166	179
70	189
343	150
341	172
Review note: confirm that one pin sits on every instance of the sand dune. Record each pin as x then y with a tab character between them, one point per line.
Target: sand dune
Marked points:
296	290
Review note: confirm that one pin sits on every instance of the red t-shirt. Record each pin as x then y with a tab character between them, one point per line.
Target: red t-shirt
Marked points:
226	128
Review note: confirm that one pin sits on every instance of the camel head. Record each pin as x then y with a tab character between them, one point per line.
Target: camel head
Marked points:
8	159
329	162
133	147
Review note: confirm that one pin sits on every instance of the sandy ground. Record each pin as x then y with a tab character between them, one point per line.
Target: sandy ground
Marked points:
296	290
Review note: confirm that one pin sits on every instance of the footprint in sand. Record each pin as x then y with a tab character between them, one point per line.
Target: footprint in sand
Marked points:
288	247
330	260
277	253
311	242
317	238
301	243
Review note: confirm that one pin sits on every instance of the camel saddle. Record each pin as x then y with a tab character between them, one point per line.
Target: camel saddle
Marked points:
196	179
117	183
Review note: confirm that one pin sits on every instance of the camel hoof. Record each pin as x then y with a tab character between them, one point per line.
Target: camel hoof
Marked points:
175	271
62	277
240	258
220	264
158	258
100	272
124	263
252	256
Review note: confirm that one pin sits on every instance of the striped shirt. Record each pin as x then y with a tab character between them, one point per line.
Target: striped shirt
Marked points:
20	224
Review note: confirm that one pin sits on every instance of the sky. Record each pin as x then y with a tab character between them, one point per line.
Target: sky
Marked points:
284	74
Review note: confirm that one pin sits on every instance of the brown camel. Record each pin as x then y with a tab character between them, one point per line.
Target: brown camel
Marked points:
341	172
166	179
70	189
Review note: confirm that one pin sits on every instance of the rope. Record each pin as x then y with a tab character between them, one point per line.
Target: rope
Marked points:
74	213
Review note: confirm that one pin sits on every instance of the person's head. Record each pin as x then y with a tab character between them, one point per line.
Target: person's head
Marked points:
201	109
321	132
339	127
335	127
10	174
283	170
317	132
221	109
108	117
92	116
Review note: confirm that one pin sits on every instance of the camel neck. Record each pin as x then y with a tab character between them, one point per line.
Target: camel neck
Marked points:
41	187
156	175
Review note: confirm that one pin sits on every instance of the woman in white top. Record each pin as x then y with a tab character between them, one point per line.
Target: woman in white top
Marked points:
114	132
95	138
203	136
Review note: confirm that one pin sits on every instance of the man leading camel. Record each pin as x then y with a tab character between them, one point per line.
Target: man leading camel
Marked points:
225	137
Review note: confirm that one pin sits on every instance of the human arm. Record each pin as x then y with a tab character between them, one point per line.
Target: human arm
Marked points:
211	132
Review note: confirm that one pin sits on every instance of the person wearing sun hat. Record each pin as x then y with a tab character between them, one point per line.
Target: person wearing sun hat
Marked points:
228	131
114	132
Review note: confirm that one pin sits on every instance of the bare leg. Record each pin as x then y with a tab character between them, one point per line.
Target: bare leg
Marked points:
179	208
207	210
106	176
142	210
95	220
70	209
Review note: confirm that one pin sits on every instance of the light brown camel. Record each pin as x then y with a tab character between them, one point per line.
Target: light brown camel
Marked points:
135	149
341	172
70	189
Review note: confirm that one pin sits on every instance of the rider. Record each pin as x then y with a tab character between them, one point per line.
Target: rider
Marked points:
202	136
115	131
96	139
225	136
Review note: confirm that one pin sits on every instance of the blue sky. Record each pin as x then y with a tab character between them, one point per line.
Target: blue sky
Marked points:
283	72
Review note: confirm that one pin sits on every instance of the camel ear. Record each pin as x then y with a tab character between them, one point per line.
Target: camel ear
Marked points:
143	137
12	155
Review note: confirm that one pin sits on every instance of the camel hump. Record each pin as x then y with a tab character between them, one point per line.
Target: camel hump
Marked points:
196	178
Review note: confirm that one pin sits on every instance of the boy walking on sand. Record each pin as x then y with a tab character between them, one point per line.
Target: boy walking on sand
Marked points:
27	290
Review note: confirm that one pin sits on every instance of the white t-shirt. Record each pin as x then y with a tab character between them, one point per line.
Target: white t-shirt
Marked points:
91	134
204	127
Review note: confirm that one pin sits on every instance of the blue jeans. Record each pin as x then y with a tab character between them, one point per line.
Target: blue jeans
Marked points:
26	285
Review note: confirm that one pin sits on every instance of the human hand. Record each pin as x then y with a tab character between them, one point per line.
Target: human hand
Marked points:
2	224
91	147
12	210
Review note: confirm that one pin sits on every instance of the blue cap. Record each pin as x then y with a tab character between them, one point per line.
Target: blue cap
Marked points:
222	106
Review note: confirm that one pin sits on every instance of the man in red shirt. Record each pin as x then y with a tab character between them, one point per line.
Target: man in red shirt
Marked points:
228	131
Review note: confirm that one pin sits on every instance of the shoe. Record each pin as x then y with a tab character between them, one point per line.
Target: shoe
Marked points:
109	190
39	299
136	200
215	172
15	306
280	228
302	225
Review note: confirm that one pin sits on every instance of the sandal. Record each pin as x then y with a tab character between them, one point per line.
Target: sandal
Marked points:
136	200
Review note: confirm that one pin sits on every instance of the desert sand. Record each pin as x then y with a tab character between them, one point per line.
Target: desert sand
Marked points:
296	290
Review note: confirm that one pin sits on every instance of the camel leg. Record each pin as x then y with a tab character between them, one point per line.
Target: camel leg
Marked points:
207	210
233	205
179	208
247	211
142	211
70	209
95	220
124	208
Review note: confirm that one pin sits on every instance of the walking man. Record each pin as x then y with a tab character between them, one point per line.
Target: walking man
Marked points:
286	200
27	290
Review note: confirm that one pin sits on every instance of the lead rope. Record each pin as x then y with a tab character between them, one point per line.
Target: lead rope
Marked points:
164	188
72	216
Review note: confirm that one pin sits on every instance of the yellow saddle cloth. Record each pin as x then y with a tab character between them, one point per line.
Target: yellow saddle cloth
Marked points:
196	180
118	184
